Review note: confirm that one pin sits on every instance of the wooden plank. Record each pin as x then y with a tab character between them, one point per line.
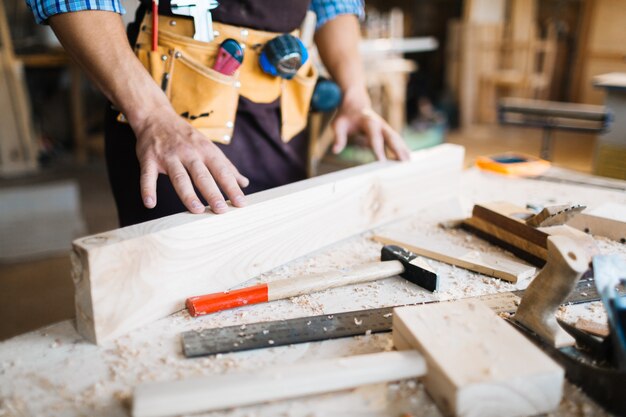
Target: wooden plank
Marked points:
132	276
491	265
161	399
478	365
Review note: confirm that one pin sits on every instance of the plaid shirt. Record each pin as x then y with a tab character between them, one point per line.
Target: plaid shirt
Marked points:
42	9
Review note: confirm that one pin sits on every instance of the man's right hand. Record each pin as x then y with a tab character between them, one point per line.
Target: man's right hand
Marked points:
166	143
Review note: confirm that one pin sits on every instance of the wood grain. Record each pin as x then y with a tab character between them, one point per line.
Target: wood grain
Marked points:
478	365
218	392
491	265
132	276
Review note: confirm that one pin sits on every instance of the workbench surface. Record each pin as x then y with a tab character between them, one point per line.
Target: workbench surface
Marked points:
53	372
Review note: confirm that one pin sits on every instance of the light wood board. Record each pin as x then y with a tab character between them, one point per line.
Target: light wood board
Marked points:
491	265
132	276
478	365
218	392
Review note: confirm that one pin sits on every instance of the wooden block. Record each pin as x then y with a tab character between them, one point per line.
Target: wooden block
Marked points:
132	276
608	220
478	365
511	218
491	265
218	392
535	254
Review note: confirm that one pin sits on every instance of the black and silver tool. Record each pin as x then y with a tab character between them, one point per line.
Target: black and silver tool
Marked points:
200	11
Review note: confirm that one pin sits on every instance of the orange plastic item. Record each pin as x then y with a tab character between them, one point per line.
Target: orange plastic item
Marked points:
210	303
515	164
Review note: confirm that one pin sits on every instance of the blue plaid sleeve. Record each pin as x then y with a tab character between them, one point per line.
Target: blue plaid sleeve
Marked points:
43	9
329	9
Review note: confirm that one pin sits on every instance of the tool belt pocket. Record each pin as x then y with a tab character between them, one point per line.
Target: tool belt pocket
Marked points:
295	101
207	99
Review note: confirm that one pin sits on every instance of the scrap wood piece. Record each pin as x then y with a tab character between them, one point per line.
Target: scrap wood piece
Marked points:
608	220
521	247
132	276
217	392
478	365
504	224
512	218
491	265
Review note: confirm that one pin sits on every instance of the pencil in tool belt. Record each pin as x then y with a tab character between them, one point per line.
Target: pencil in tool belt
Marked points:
155	24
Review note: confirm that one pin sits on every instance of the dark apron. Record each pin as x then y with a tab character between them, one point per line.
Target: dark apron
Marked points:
256	149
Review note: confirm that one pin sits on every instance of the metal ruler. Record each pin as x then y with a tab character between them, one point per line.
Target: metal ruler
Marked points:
334	326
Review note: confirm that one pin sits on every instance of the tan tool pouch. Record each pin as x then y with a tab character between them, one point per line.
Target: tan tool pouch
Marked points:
207	98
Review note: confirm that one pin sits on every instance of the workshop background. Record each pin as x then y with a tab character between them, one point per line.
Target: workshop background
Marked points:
437	71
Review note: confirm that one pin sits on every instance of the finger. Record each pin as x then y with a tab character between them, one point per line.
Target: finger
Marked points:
183	186
340	126
147	183
225	178
396	144
374	133
242	180
206	184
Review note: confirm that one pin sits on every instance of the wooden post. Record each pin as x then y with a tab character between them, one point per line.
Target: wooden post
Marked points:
18	153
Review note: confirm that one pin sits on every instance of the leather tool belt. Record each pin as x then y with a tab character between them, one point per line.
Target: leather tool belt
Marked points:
208	99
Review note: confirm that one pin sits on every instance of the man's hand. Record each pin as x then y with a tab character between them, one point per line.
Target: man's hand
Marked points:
166	143
356	116
338	44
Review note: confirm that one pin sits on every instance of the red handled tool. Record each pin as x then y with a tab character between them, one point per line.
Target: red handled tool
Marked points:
395	261
229	57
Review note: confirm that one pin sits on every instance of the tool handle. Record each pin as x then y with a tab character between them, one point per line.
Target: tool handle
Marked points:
291	287
287	288
211	303
566	263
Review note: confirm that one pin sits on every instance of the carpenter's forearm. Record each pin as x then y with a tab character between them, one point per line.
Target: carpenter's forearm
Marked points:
338	43
97	41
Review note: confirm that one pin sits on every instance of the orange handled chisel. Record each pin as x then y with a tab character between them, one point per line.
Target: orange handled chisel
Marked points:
395	261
